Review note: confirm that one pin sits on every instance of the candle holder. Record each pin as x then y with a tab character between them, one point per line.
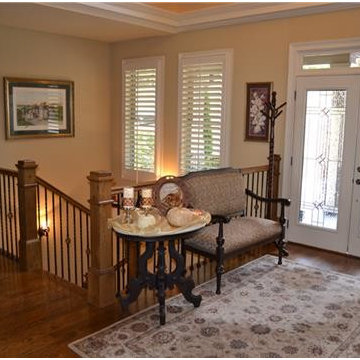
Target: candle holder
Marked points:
147	200
128	203
128	213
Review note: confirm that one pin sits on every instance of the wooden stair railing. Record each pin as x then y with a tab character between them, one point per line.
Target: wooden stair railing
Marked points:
44	228
127	253
64	228
18	228
9	214
256	179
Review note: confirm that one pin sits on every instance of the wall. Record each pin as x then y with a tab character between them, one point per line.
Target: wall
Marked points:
64	162
260	55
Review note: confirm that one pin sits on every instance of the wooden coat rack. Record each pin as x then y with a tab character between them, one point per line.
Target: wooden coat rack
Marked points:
272	113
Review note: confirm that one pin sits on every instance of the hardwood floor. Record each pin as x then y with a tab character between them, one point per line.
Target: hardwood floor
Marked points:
39	315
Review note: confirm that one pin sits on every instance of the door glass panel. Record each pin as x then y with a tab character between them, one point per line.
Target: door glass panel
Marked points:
322	158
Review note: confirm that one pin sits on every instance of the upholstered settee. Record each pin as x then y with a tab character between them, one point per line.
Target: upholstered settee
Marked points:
231	232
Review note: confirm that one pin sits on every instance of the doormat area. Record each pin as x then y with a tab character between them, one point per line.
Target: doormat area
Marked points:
265	310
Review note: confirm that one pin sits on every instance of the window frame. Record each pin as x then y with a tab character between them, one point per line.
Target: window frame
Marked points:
226	56
157	62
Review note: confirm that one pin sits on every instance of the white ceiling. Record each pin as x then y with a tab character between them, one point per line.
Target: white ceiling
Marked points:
112	22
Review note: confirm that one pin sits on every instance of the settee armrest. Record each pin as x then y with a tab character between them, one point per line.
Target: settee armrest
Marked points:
215	219
282	201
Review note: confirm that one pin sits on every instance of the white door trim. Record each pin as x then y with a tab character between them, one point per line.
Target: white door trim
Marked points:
322	236
296	52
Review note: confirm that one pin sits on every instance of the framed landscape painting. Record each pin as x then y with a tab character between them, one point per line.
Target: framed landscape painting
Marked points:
38	108
257	124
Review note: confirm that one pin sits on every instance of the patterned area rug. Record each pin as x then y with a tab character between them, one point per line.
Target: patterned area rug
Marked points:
265	310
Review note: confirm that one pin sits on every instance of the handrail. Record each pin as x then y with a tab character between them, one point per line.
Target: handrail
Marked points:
46	184
252	169
52	188
116	189
248	170
9	172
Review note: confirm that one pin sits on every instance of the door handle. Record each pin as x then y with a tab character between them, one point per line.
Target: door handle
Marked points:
357	182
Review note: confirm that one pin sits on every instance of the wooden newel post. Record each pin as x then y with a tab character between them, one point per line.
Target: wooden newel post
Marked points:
101	291
29	244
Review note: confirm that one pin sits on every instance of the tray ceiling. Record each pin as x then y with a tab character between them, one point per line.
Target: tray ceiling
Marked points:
111	21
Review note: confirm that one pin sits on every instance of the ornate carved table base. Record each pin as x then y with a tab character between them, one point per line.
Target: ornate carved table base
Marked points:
161	280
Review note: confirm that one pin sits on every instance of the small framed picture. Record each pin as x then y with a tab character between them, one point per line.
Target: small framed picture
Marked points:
257	124
38	108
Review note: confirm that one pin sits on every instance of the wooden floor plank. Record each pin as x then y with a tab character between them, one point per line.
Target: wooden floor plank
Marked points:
40	316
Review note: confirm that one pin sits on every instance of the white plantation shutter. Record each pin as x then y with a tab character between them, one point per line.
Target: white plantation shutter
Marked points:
141	117
203	110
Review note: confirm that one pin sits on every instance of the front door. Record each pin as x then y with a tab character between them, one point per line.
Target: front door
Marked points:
325	208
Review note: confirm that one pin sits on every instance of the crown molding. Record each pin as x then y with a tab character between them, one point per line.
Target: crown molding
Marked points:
147	16
252	12
130	13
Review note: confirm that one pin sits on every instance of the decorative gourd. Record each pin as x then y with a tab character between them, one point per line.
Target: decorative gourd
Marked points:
179	216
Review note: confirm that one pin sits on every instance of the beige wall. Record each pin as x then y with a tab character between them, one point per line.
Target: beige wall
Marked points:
64	162
260	54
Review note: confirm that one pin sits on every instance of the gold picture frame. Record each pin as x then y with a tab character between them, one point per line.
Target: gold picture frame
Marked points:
38	108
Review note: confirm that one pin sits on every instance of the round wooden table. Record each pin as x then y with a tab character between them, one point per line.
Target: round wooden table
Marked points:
161	280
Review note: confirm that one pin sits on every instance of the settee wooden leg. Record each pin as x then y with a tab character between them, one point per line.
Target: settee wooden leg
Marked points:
219	258
282	251
281	243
